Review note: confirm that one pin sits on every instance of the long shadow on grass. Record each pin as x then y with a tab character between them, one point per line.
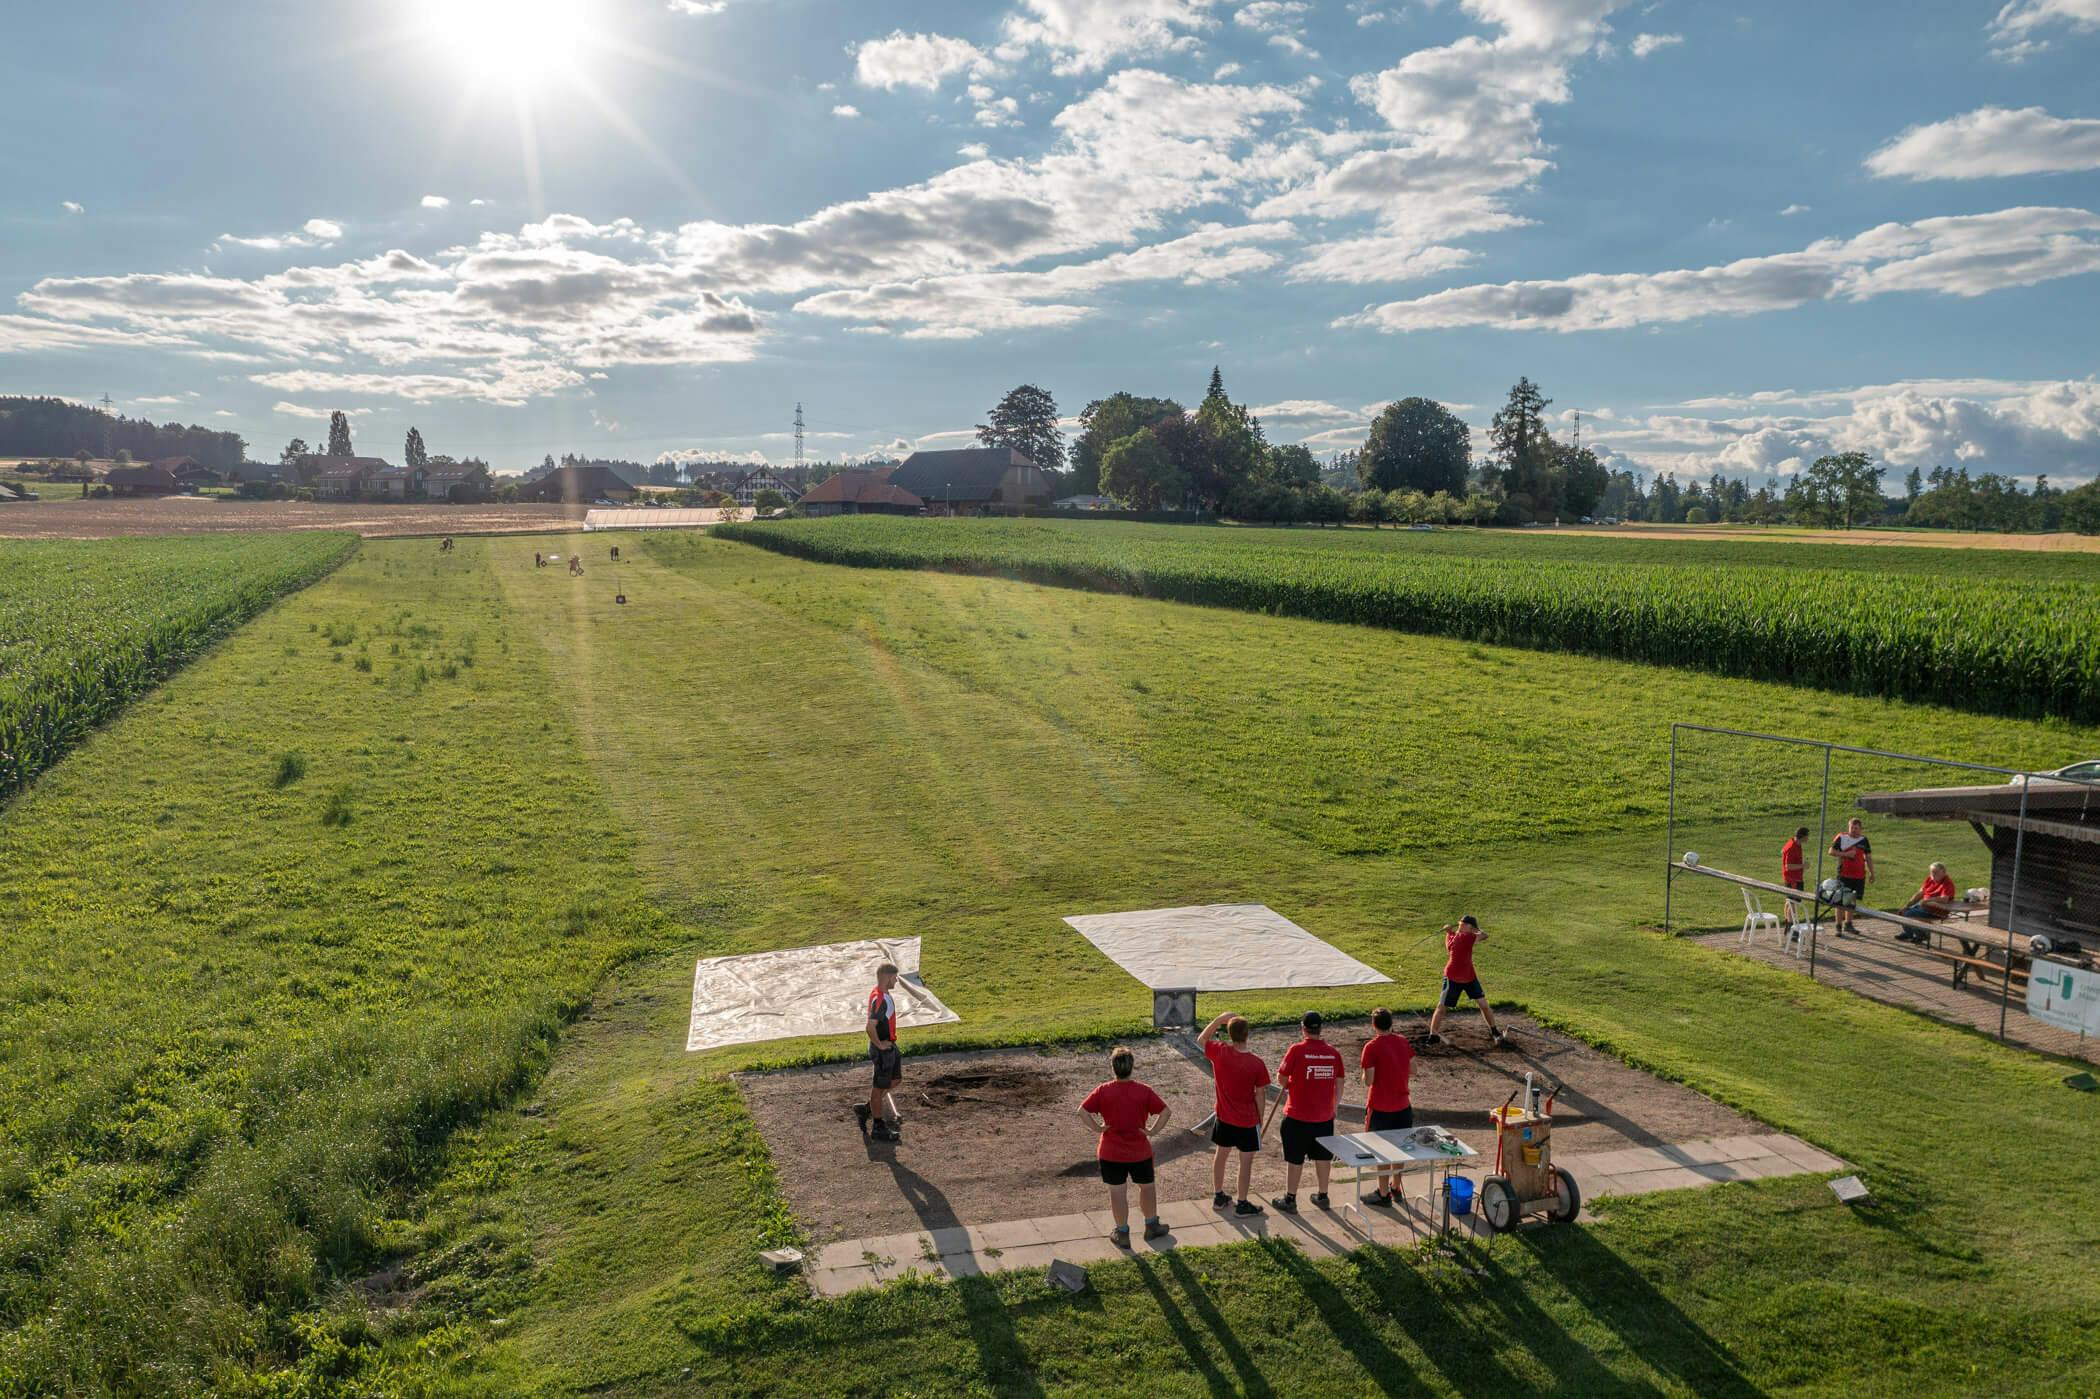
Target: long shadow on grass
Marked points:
1252	1382
1191	1343
1386	1368
1004	1359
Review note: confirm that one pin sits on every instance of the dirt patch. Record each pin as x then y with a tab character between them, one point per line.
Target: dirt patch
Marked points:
996	1134
107	519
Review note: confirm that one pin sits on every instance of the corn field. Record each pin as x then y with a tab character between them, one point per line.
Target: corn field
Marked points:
1964	638
87	625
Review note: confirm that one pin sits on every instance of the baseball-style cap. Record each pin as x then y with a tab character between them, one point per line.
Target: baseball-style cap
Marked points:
1310	1020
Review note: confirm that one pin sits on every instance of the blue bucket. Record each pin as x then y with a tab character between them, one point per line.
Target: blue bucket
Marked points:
1461	1191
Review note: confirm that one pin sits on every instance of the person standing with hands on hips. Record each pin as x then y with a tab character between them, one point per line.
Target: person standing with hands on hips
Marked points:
1127	1114
888	1062
1459	977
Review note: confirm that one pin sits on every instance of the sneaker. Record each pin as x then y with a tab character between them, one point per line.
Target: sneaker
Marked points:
1380	1199
1287	1203
1220	1201
1319	1201
1120	1236
1245	1207
1432	1039
1156	1229
1498	1037
883	1132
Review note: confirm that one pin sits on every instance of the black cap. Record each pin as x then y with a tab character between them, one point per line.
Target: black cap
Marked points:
1310	1020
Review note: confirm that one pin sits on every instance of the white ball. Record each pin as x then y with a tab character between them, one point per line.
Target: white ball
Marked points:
1691	859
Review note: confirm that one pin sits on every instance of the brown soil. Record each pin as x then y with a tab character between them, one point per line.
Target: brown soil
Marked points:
104	519
992	1135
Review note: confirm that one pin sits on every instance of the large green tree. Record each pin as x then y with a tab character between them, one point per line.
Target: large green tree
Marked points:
1109	420
1526	452
412	450
339	435
1583	480
1294	465
293	450
1235	453
1138	472
1026	420
1416	444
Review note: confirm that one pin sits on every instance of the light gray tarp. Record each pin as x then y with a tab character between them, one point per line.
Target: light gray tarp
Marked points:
1220	947
805	991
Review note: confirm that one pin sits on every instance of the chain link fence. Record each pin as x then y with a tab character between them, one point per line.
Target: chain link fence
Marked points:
1963	890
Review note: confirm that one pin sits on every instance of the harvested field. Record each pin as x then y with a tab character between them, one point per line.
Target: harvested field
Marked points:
996	1134
108	519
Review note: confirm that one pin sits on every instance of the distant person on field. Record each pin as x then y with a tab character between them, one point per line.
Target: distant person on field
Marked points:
1239	1078
878	1116
1938	888
1127	1114
1460	979
576	565
1311	1073
1388	1061
539	560
1793	870
1855	857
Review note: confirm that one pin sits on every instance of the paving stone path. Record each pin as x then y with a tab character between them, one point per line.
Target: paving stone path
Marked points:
973	1250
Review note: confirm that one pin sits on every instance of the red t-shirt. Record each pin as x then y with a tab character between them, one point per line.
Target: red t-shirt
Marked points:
1240	1077
1793	863
1124	1105
1458	964
1852	852
1312	1073
882	1009
1394	1059
1936	889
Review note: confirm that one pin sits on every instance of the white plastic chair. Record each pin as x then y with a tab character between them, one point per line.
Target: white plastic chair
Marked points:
1755	917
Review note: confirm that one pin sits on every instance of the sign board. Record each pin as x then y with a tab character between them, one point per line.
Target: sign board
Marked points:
2066	997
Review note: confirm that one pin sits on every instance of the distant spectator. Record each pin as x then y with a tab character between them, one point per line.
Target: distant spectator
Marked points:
1793	870
1938	889
1855	856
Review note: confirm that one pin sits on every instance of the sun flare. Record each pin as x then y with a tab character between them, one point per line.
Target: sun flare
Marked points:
512	41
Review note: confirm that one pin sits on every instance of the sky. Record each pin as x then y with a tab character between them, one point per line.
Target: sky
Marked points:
1733	236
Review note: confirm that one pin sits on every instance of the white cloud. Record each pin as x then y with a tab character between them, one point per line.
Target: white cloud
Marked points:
1645	44
1963	255
1224	71
436	201
976	150
327	230
161	401
1991	141
1792	209
222	413
1283	21
845	109
2014	30
314	233
1084	36
696	7
1376	259
297	410
71	207
916	60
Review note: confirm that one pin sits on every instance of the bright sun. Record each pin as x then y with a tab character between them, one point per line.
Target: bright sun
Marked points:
511	41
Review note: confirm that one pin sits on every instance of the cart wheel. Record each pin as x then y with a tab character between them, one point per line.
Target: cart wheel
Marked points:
1498	1204
1567	1200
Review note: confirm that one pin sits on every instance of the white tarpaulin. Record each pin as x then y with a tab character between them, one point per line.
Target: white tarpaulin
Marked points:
1220	947
805	991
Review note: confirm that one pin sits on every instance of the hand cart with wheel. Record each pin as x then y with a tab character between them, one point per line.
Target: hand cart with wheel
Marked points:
1526	1182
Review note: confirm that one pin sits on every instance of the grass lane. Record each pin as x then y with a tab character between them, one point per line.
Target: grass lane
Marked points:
827	777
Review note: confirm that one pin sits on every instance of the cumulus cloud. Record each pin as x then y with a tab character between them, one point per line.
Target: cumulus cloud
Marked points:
845	109
1282	21
436	201
916	60
1962	255
1376	259
1792	209
72	207
2023	27
314	233
1645	44
1990	141
1084	36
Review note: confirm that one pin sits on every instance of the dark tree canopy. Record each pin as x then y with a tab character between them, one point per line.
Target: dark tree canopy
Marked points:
412	450
1138	472
1294	465
339	435
1026	420
1107	421
1417	444
293	450
52	427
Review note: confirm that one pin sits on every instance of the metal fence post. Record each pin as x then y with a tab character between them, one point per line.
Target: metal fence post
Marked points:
2012	908
1670	836
1815	922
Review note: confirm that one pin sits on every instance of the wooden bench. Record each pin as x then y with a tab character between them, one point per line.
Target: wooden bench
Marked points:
1964	965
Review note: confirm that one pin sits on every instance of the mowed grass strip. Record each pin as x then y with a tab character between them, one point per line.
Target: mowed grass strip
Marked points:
88	625
1990	645
271	938
846	788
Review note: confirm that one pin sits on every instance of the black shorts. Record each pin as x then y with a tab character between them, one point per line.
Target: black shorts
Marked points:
1857	883
1384	1120
1797	886
1135	1172
1454	989
889	1065
1302	1140
1244	1138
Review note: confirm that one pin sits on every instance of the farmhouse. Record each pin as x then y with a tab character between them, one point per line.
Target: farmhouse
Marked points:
190	472
861	493
338	478
574	485
974	478
142	480
747	487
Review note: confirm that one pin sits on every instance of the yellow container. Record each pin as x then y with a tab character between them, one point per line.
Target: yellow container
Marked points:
1531	1156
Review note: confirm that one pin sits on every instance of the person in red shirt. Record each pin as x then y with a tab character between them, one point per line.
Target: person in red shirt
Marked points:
1128	1114
1239	1077
1793	870
1311	1073
1460	978
1387	1062
1855	856
1932	898
889	1063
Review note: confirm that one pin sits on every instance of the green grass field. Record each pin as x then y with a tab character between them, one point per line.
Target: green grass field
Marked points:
401	1104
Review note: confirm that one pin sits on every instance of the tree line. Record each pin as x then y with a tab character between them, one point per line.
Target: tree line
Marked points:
52	427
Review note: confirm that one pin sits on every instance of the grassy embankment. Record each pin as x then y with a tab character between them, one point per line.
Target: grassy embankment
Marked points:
860	753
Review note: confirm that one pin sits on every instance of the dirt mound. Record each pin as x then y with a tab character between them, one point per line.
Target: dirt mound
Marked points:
965	1089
